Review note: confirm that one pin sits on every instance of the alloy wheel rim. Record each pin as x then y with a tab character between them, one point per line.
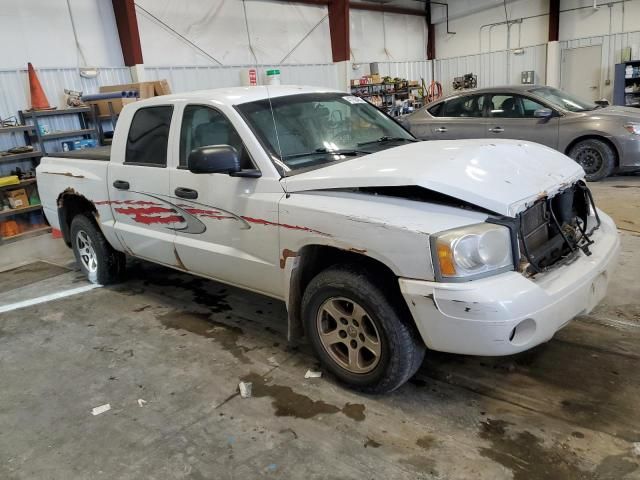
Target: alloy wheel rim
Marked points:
87	253
590	159
348	335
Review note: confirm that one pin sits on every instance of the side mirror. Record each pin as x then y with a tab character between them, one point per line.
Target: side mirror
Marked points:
214	159
543	113
603	103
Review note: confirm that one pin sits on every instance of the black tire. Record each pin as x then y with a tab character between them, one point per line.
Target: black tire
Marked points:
596	157
401	348
109	262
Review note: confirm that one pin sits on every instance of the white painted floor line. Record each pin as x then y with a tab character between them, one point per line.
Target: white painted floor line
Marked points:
47	298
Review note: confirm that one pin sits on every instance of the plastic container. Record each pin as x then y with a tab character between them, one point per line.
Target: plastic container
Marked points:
628	71
273	77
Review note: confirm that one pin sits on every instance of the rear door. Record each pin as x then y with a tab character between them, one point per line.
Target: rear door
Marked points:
237	241
458	117
512	116
139	187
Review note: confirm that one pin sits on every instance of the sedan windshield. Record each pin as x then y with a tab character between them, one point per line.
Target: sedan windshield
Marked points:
563	99
308	131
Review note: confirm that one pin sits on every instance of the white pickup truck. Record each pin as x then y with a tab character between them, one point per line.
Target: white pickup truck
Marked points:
380	245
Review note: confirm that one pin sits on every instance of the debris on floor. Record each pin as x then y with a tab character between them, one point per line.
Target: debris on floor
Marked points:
635	448
141	402
101	409
245	389
313	374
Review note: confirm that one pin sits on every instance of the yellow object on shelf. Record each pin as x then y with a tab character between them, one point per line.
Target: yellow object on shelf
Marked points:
10	180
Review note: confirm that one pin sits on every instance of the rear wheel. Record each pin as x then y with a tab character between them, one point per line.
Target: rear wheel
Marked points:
596	157
96	258
358	333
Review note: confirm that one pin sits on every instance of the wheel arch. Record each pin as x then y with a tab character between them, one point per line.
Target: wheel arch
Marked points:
595	136
70	204
313	259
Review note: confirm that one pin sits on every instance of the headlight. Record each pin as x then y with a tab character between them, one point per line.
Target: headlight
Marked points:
471	252
633	128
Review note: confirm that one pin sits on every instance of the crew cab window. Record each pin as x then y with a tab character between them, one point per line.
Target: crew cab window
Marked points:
467	106
148	136
203	126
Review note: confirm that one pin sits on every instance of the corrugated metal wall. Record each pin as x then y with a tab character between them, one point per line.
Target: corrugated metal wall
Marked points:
187	78
491	68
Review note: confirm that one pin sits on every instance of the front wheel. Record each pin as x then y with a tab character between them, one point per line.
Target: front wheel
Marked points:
596	157
97	259
357	332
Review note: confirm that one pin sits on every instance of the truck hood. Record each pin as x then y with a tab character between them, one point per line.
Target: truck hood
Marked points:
503	176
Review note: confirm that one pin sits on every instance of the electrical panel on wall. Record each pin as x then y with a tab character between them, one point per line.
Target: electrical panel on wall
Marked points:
527	77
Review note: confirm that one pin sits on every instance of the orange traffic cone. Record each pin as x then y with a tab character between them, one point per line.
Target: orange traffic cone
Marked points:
38	98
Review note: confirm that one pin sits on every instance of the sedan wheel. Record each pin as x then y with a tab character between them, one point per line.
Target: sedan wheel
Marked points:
596	157
590	159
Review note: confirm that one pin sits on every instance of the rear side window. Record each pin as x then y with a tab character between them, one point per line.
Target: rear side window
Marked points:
464	106
436	110
148	137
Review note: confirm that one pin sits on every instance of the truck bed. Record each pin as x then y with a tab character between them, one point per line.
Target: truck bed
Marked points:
98	153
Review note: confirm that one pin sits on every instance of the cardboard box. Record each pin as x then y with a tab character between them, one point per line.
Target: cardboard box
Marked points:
117	104
145	89
375	78
18	198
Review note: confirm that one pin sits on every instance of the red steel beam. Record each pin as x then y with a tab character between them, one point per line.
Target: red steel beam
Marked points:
339	30
431	33
127	23
554	20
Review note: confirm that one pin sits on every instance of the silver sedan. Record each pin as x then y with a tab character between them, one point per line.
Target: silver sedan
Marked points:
602	139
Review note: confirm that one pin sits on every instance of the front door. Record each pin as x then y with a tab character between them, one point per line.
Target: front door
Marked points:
138	188
238	241
512	116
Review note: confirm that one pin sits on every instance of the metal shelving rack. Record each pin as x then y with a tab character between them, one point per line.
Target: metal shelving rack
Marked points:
34	155
388	92
84	131
621	83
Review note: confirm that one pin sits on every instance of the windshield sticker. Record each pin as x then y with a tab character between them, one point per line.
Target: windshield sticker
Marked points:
353	99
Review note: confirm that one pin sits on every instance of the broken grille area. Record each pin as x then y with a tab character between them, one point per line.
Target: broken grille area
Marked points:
554	230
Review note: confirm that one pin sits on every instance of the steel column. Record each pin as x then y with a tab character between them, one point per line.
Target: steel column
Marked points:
127	23
554	20
339	30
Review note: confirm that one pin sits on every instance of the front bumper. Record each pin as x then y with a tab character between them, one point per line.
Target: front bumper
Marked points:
509	313
629	151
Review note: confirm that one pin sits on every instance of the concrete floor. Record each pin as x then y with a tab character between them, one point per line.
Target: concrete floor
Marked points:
565	410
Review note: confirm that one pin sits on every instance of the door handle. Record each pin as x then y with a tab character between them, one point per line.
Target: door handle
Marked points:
496	130
186	193
121	185
441	129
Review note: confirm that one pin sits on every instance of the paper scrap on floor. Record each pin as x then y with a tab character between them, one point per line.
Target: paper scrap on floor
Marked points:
101	409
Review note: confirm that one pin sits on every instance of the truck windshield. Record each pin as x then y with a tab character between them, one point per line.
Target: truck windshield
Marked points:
310	130
564	100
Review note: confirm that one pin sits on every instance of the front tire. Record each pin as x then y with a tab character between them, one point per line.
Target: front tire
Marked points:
596	157
358	333
96	258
